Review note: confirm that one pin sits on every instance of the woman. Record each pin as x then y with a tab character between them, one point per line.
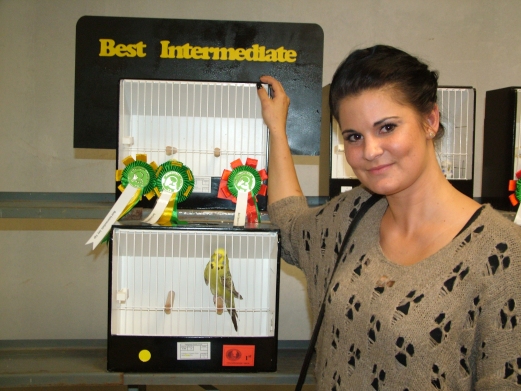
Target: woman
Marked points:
427	296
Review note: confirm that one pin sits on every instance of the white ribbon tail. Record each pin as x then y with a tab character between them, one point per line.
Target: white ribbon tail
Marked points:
112	216
239	219
517	219
159	208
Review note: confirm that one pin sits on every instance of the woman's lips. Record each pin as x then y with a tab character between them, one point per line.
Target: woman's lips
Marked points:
379	169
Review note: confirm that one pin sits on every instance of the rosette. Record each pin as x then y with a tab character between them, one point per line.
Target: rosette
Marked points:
174	182
137	180
515	186
242	185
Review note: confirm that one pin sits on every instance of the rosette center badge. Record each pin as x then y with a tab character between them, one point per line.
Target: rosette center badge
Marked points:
172	182
244	181
139	177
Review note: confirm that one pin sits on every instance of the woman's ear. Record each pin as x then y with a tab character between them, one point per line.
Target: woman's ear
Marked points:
433	120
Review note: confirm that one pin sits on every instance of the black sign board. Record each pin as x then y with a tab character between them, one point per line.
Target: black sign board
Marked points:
109	49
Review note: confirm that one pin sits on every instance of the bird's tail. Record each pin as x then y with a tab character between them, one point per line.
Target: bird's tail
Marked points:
233	314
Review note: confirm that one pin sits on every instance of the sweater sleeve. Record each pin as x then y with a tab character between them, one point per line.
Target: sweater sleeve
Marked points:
303	228
284	214
499	336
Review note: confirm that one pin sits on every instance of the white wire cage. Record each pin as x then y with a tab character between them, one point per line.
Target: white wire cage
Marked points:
204	125
158	283
454	151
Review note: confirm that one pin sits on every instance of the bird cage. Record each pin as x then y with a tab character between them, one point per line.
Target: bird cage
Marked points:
168	310
454	151
502	146
205	125
167	316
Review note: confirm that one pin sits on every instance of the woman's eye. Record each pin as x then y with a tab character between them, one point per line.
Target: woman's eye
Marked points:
352	137
388	128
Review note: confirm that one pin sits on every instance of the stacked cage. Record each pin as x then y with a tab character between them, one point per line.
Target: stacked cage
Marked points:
454	151
198	295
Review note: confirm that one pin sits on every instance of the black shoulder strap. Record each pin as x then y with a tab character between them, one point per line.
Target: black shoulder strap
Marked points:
311	348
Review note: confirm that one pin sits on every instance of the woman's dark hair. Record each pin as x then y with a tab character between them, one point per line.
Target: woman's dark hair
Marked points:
381	66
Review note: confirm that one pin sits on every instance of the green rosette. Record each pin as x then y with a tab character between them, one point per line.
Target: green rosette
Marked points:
177	179
140	175
244	178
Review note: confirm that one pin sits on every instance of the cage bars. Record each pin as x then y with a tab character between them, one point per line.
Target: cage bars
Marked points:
149	264
205	125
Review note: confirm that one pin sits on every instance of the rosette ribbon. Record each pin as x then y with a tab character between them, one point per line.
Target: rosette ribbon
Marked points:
174	183
242	185
137	180
515	186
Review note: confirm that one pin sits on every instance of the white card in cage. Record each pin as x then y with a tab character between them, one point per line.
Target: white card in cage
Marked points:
193	350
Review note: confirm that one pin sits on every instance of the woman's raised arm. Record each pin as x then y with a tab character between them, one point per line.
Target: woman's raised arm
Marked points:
283	181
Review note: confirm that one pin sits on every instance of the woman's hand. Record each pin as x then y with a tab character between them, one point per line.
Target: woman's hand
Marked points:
275	108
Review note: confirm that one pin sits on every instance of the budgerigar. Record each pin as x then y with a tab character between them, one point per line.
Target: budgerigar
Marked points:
217	275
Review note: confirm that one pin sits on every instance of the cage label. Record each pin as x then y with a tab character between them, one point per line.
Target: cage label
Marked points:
238	355
193	350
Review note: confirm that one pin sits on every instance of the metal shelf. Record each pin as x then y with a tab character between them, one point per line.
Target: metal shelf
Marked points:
95	206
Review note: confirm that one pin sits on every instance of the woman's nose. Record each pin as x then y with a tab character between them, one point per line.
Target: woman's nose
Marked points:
372	148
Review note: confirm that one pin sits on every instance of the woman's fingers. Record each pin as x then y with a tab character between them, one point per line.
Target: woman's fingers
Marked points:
276	87
274	109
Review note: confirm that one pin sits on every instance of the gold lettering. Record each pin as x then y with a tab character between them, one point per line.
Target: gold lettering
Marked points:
108	48
197	53
175	52
186	51
271	55
280	54
262	53
291	56
239	54
165	52
120	50
215	53
226	54
131	50
255	53
204	53
140	47
248	55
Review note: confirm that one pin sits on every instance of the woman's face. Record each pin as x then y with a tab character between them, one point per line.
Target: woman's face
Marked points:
385	142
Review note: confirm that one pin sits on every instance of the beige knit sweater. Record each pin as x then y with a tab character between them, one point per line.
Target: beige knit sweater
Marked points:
449	322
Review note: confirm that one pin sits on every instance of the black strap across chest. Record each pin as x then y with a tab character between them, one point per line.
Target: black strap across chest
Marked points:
354	223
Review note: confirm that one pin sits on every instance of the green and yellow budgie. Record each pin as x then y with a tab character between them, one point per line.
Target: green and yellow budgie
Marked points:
217	274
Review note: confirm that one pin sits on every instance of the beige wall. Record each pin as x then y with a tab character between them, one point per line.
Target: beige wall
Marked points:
51	285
